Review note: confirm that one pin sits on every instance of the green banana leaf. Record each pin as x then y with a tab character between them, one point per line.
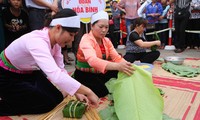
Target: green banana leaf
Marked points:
156	37
181	70
136	97
108	113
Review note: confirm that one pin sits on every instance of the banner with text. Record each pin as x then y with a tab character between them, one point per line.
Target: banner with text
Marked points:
84	8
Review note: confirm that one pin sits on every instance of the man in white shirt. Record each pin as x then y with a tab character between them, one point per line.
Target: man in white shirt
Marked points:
38	9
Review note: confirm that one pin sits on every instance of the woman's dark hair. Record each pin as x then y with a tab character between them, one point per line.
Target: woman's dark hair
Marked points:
122	13
62	14
139	21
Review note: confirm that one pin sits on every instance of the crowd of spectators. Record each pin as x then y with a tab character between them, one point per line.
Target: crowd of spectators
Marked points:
157	14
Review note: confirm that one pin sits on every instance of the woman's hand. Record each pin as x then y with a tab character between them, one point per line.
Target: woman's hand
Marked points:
93	99
87	95
82	98
126	67
89	100
157	42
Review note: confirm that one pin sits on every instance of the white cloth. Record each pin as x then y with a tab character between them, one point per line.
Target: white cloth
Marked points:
33	51
140	11
98	16
67	22
30	3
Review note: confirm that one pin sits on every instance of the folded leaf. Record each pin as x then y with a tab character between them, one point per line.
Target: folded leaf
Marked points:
136	97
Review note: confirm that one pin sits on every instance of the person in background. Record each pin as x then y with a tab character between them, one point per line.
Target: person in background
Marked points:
38	10
123	27
130	7
136	44
153	12
193	39
33	79
15	21
181	21
97	59
142	9
163	23
67	59
2	40
116	19
108	9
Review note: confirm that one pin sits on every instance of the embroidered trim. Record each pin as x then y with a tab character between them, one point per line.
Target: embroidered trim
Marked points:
5	63
85	67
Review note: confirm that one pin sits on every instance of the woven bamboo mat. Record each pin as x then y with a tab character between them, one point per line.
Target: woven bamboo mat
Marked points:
180	103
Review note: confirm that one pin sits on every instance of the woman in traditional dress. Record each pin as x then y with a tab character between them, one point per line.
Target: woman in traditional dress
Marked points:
97	59
32	75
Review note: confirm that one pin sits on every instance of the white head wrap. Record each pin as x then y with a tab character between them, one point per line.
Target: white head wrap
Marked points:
99	15
73	22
